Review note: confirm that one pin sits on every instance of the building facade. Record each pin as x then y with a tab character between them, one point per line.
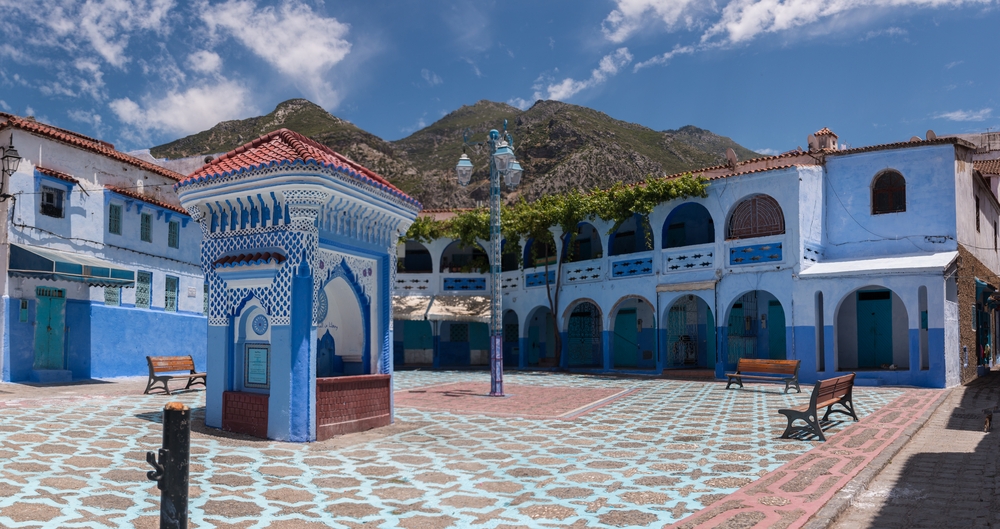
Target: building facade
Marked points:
101	265
879	260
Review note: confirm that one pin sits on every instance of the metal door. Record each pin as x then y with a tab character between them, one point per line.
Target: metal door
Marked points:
50	327
742	330
874	328
682	334
584	336
776	331
626	352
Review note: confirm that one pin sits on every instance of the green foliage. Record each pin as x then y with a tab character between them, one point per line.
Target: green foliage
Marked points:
532	220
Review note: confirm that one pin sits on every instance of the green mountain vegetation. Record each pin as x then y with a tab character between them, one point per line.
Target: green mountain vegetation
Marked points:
560	146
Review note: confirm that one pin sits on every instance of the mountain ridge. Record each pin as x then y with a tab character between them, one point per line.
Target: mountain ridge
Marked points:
559	145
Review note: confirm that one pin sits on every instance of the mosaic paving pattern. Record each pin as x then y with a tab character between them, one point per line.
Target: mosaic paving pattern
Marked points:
529	401
649	458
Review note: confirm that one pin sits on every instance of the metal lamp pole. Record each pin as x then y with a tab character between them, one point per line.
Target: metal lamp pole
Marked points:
502	162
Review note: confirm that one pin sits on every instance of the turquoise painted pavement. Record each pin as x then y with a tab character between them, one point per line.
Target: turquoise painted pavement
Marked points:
650	458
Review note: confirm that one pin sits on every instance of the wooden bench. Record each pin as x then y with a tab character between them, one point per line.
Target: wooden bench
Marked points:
174	365
826	394
786	371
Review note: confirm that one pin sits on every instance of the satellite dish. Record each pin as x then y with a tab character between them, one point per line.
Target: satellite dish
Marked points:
931	135
731	157
813	144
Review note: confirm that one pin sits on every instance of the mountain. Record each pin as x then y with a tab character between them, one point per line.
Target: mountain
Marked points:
560	146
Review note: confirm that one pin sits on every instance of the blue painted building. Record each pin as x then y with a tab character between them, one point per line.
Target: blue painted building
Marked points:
100	263
299	255
878	260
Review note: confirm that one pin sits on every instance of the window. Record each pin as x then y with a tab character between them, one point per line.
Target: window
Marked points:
994	236
174	234
52	201
112	296
757	216
143	288
146	228
888	193
977	212
115	219
24	311
205	299
170	295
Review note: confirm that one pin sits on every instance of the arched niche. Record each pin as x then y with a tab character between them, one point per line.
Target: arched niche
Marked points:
755	328
756	216
415	259
584	245
632	236
687	225
457	257
690	329
872	331
633	337
583	332
343	331
253	330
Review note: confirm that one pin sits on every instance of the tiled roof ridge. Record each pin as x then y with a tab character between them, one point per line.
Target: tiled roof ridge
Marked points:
824	132
304	149
13	117
149	200
87	143
56	174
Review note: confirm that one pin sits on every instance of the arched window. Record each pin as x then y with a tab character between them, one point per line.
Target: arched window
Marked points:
757	216
888	193
687	225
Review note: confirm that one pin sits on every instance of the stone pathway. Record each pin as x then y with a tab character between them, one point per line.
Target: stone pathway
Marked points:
652	457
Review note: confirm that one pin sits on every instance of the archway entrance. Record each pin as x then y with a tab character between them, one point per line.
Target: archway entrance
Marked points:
690	333
872	329
756	328
584	333
511	339
541	339
633	342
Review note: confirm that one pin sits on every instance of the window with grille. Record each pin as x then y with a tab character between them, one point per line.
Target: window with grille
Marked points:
146	227
758	216
143	289
459	332
174	234
112	296
170	294
205	297
115	219
52	201
888	193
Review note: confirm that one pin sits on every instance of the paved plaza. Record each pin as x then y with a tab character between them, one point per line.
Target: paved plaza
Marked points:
600	452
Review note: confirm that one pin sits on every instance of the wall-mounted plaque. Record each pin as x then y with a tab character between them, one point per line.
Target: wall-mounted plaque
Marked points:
257	366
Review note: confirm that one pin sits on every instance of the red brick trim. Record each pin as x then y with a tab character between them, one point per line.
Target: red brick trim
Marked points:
245	413
352	404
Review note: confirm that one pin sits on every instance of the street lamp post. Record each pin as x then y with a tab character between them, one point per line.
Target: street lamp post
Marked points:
10	159
502	162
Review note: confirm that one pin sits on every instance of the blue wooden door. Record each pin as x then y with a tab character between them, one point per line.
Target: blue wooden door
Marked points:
776	330
626	353
874	328
50	327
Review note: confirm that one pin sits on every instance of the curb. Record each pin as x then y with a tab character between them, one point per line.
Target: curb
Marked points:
842	500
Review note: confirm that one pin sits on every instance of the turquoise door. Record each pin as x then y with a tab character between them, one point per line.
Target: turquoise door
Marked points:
776	330
626	339
874	328
50	326
534	345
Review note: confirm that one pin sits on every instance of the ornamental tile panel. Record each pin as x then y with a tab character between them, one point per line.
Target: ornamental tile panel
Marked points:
632	267
755	254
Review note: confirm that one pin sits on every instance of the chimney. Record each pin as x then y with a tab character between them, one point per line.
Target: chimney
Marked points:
825	139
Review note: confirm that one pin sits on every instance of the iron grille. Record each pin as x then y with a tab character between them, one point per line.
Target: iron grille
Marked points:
143	282
170	294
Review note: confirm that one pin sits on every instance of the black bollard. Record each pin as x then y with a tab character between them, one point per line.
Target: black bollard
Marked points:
170	471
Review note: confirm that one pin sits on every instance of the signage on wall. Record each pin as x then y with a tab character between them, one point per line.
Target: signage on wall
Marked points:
257	366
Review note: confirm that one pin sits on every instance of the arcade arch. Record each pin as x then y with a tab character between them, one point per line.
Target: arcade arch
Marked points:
690	328
583	330
633	337
687	225
755	328
872	330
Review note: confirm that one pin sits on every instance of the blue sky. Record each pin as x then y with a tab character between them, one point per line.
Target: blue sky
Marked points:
764	72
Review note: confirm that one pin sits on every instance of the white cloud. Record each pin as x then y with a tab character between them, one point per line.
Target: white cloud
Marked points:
665	58
298	42
432	78
475	68
952	64
523	104
767	152
966	115
631	15
609	66
887	32
4	106
204	61
185	112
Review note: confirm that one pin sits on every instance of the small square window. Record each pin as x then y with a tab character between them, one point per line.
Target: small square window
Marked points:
113	296
146	227
52	202
174	234
115	219
24	311
170	294
143	289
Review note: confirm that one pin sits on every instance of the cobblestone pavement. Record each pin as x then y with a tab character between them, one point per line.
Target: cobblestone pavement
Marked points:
946	476
669	449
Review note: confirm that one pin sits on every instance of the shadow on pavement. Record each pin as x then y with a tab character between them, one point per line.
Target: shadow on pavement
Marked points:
198	425
951	488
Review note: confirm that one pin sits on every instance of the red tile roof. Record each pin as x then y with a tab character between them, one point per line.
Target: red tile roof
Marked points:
83	142
285	146
57	174
149	200
824	132
987	166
